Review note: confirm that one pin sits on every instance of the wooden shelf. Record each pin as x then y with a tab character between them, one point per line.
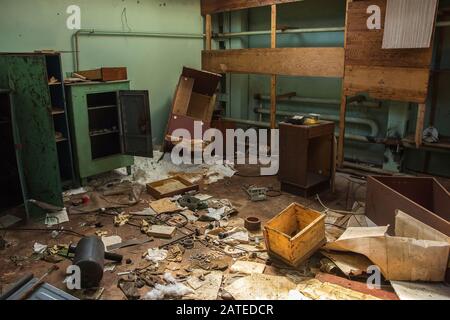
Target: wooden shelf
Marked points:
103	133
61	140
56	111
102	107
55	83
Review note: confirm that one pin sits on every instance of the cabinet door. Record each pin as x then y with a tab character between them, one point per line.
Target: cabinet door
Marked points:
136	130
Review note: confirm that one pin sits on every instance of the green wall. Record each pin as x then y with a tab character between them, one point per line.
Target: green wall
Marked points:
154	64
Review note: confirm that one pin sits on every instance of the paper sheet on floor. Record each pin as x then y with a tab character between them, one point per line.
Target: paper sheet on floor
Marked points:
247	267
317	290
398	258
206	289
261	287
421	291
53	219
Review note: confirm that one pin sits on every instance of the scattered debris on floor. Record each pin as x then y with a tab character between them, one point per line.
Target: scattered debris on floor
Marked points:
192	245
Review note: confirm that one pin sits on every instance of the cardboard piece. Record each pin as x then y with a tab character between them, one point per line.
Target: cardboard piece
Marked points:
403	259
165	232
407	226
164	205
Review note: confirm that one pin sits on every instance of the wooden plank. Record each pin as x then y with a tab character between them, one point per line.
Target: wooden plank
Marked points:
208	31
216	6
364	46
356	286
409	24
343	108
183	96
341	141
308	62
273	102
402	84
273	27
420	124
105	74
273	80
165	232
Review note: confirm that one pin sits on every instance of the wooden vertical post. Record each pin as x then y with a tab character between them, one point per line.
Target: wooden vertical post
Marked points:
273	82
341	143
208	31
420	124
343	111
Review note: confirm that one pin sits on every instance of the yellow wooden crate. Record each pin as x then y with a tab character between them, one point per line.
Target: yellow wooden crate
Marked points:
295	234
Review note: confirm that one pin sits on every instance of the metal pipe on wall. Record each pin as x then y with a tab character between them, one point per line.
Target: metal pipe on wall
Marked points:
323	101
261	124
367	122
294	31
105	33
268	32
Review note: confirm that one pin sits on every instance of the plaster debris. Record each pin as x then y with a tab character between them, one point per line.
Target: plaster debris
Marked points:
156	255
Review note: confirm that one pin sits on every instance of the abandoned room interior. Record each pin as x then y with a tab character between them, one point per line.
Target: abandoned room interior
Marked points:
225	150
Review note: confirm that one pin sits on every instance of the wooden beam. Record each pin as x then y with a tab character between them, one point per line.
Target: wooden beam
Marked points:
343	109
356	286
307	62
420	124
216	6
341	143
273	80
273	29
208	31
388	83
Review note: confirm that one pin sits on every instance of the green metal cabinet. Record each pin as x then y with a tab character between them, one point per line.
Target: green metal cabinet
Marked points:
12	181
109	124
26	77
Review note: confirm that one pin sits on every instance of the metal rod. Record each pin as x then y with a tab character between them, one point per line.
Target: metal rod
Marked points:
370	123
268	32
442	24
294	31
323	101
267	125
